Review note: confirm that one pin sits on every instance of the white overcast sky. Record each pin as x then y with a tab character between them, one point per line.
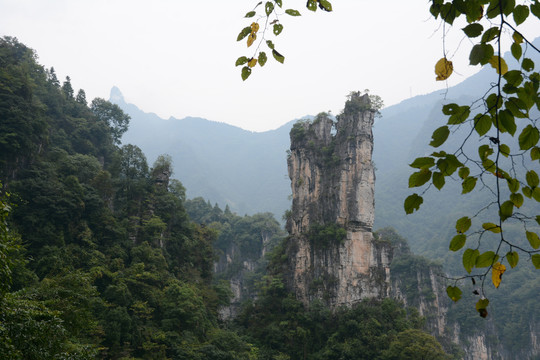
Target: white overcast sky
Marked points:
176	57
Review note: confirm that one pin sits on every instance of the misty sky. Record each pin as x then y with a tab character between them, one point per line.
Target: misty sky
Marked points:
176	57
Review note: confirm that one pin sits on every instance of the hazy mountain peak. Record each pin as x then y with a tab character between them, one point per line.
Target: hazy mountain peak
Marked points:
116	96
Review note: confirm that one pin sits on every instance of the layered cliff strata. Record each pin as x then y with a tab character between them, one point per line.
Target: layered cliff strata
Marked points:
332	254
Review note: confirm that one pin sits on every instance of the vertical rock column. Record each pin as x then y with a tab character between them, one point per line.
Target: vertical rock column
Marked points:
332	255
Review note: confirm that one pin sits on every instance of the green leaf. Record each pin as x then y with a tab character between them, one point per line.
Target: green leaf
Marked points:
312	5
250	14
489	165
535	8
449	164
506	210
529	137
468	184
268	8
517	107
448	13
513	258
484	151
464	172
458	242
486	259
292	12
533	238
494	228
535	153
518	39
450	109
528	94
412	203
463	224
439	136
480	54
474	11
536	260
438	180
505	150
538	219
270	44
279	2
241	61
516	50
280	58
494	9
490	34
262	58
532	178
527	64
513	77
245	32
473	30
536	194
494	102
521	12
507	122
508	6
423	162
460	116
419	178
325	5
454	293
482	304
517	199
482	124
527	191
469	259
278	28
513	185
246	71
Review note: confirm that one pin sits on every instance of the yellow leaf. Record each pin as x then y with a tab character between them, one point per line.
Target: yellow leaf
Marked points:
254	27
496	273
518	39
443	69
494	61
252	62
251	39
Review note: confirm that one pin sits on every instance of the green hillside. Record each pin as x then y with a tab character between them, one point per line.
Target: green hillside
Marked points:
100	260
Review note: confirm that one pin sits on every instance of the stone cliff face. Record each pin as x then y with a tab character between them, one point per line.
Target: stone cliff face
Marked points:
242	269
332	253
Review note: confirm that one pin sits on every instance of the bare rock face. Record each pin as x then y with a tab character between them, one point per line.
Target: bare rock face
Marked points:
332	253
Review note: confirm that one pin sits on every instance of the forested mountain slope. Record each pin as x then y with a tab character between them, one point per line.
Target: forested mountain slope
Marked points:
99	259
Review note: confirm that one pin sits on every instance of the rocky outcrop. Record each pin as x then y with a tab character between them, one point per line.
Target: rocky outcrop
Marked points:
421	284
240	271
332	253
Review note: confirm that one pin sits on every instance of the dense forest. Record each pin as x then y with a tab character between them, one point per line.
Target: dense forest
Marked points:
99	257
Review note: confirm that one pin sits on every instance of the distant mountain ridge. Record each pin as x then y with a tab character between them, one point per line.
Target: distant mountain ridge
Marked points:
248	171
219	162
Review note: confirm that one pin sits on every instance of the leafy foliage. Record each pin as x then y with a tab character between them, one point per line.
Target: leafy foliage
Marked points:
324	236
505	125
270	14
